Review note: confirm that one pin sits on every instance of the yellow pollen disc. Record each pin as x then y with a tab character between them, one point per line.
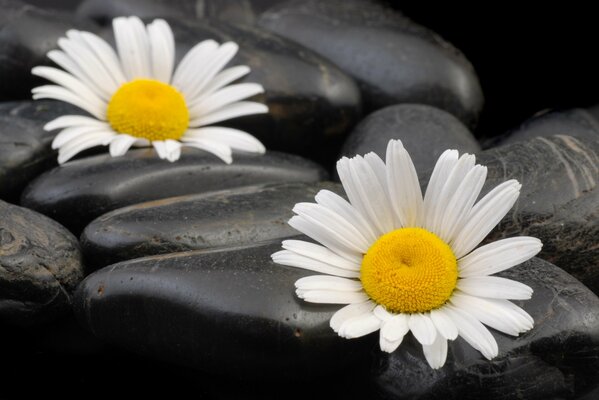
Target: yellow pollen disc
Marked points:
149	109
409	270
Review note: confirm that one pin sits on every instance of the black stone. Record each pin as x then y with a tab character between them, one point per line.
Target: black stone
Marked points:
25	150
27	33
79	191
103	11
40	266
231	311
233	11
39	111
234	217
576	122
311	102
393	59
558	359
559	200
425	131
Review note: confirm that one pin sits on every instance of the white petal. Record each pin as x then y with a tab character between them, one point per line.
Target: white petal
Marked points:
223	79
334	224
395	328
69	65
485	215
444	324
69	82
366	193
436	353
350	311
83	142
193	64
422	328
160	148
404	187
220	150
162	50
59	93
459	206
235	110
499	256
224	97
451	184
291	259
106	54
96	77
219	58
382	313
494	287
67	135
380	171
133	47
121	144
359	326
233	138
497	314
327	282
69	121
325	236
339	205
473	332
320	253
332	296
387	346
173	150
445	164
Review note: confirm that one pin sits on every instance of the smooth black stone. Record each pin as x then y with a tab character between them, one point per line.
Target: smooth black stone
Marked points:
576	122
27	33
233	217
393	59
39	111
558	359
312	103
103	11
559	200
231	311
425	131
233	11
25	148
79	191
40	266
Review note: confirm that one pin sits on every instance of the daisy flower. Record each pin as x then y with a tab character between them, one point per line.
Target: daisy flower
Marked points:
405	263
135	98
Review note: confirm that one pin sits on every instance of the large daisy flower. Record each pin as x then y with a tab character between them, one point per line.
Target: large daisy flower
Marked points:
406	263
135	99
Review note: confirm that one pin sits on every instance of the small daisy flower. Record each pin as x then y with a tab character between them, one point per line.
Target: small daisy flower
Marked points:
403	263
135	98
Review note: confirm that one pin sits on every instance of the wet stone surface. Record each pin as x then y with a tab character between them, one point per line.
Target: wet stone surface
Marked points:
25	150
576	122
79	191
425	131
40	267
234	310
393	59
229	218
27	33
559	199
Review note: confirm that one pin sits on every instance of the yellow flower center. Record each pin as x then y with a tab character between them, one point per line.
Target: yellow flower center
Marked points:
148	109
409	270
